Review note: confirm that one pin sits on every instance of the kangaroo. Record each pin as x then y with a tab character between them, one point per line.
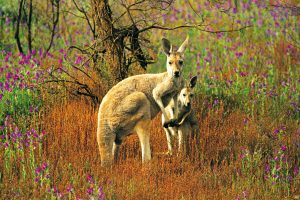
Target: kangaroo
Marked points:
130	105
187	121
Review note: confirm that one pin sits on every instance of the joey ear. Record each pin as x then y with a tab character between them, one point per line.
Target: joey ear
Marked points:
193	81
183	45
166	46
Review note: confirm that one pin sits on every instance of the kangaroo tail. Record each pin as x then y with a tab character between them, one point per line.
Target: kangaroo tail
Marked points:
105	139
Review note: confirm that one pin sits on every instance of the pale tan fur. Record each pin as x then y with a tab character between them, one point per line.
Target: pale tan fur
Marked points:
187	121
130	105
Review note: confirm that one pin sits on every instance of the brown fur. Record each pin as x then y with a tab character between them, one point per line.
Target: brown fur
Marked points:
188	124
132	103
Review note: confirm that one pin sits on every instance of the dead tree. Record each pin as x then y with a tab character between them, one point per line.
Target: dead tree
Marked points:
121	31
26	15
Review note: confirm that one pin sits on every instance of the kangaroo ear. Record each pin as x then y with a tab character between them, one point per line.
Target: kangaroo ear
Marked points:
166	46
193	81
184	45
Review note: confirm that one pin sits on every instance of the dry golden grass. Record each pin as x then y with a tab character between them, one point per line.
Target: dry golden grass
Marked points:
209	172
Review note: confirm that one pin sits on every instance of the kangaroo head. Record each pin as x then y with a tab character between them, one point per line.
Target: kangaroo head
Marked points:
174	58
187	93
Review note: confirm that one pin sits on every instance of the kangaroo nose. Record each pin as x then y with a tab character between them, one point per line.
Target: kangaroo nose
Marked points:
177	73
188	104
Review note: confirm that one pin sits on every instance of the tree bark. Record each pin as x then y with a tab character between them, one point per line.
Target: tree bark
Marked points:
17	33
111	40
29	27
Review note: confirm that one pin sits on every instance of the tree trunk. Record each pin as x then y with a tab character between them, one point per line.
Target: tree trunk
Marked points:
111	40
29	36
17	36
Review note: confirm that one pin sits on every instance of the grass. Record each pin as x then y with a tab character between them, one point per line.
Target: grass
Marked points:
247	104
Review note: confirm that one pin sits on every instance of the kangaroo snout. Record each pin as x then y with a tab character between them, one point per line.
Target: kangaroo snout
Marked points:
177	74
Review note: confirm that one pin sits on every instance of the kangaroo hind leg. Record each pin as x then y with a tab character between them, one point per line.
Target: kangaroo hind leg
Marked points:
142	127
183	132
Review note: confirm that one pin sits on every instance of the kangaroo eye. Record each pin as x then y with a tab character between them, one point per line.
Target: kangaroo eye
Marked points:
170	63
192	95
180	62
184	95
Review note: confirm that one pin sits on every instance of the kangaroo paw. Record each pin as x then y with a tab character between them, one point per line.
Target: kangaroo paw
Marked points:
166	124
173	123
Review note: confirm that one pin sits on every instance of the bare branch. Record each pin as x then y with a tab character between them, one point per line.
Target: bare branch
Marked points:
84	12
80	86
55	19
29	26
17	33
195	11
192	26
168	28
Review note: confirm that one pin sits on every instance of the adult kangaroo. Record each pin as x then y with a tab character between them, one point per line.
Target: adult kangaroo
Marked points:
130	105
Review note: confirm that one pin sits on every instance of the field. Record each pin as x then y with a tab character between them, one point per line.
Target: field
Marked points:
247	101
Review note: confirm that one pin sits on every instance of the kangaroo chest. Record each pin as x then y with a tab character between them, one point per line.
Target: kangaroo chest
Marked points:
182	110
173	88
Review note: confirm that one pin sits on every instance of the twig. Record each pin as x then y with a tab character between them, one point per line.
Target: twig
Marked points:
17	36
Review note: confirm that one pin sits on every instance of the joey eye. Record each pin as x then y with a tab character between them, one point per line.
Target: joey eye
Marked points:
184	95
180	62
170	63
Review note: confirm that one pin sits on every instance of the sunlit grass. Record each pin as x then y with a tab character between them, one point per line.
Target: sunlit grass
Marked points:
247	104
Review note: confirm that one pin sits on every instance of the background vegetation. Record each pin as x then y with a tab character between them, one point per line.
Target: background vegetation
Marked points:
57	65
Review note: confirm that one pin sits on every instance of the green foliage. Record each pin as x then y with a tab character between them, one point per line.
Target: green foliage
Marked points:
254	71
9	8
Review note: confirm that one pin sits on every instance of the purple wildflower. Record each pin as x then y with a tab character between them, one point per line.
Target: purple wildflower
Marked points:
296	170
234	10
243	74
69	189
267	168
45	166
38	170
33	52
283	148
245	193
49	55
220	35
90	179
90	191
246	6
101	193
60	61
216	101
40	52
8	75
259	23
16	77
255	2
7	86
30	109
78	60
238	54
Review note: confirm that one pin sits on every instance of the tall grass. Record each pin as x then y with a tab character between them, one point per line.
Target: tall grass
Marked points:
247	104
